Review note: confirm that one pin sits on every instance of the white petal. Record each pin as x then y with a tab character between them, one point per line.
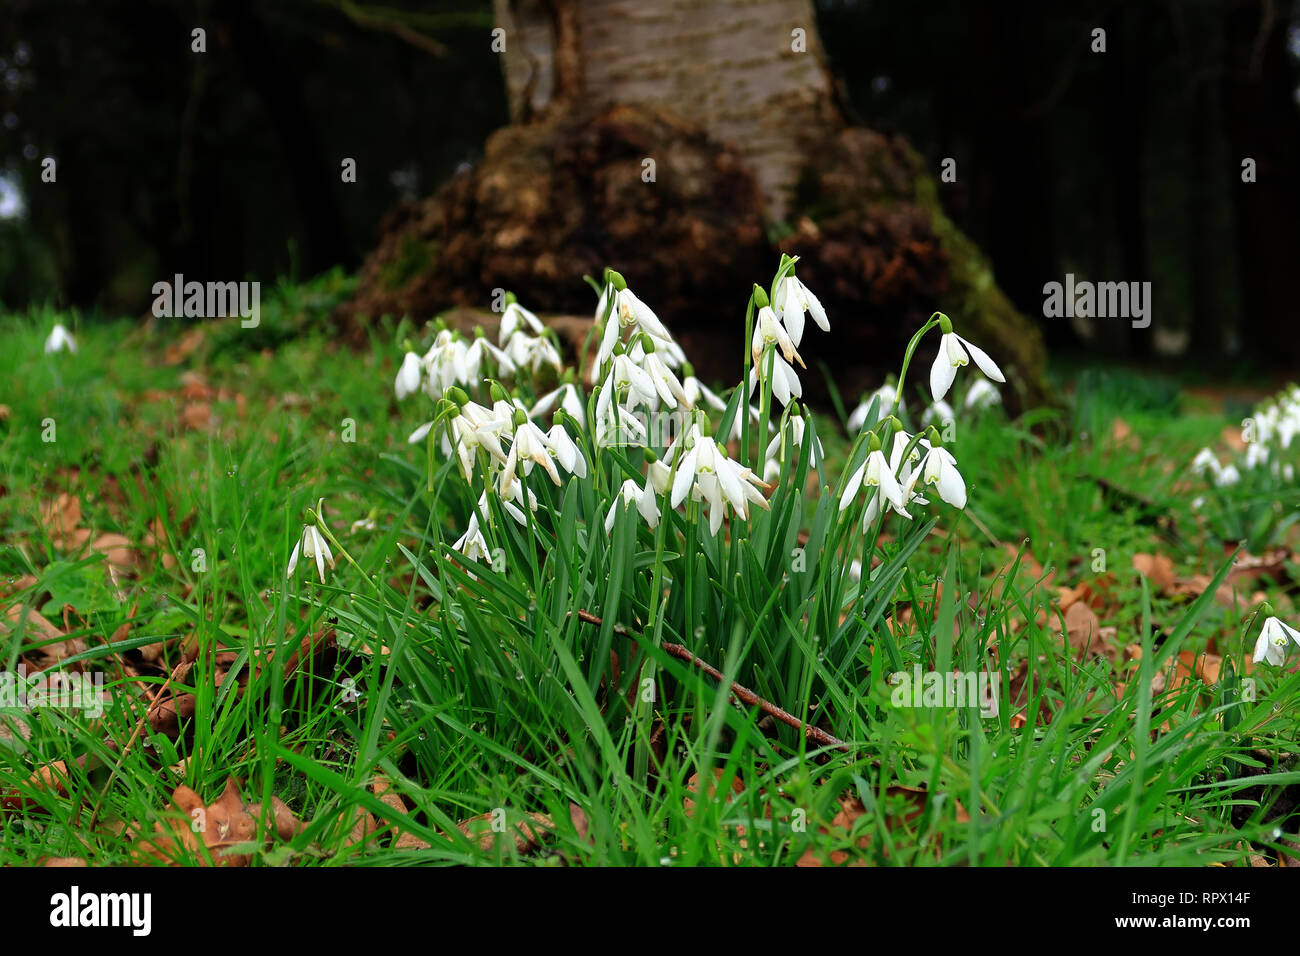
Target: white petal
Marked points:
982	360
942	373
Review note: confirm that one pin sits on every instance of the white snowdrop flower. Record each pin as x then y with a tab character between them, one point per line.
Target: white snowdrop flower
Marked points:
706	471
1271	646
792	299
664	380
797	428
626	312
567	397
658	473
60	339
472	544
903	469
785	382
669	351
768	330
312	544
566	452
1205	460
442	363
515	318
771	470
362	524
615	425
982	394
696	392
477	427
627	375
876	476
507	505
408	376
643	497
940	412
469	361
631	311
1198	502
530	447
1227	475
940	472
533	352
887	394
1256	455
953	353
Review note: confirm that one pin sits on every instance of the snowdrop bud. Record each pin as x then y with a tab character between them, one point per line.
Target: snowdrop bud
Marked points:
616	280
458	395
760	297
945	324
498	392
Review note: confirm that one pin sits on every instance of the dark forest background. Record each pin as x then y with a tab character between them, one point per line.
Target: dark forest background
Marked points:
1117	166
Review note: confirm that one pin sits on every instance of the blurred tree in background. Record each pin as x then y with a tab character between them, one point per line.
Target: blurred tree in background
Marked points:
1122	165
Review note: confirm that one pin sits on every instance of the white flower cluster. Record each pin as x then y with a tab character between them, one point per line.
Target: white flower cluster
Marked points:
915	463
1268	434
779	337
451	360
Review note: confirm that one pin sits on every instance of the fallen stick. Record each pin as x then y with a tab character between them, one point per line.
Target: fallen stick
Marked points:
815	734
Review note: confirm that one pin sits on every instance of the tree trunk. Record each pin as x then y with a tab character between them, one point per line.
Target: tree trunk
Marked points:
752	72
688	144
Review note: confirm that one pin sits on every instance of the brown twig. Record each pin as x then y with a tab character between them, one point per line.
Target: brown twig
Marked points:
815	734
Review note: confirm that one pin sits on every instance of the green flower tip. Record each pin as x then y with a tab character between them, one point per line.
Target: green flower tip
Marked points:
647	344
510	298
932	435
458	395
312	517
760	297
688	370
616	279
520	417
873	442
945	323
497	391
